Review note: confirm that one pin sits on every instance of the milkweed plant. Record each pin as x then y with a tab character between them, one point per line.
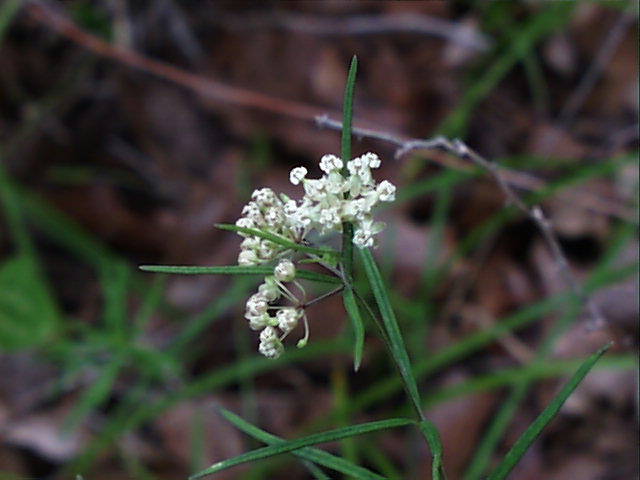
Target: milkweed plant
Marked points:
277	233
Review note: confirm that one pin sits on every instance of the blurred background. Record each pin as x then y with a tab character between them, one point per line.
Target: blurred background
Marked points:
129	128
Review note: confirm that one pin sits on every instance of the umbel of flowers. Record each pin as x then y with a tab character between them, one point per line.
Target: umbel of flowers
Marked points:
328	202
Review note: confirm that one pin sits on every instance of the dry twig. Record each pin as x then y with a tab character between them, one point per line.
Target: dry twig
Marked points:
402	23
460	150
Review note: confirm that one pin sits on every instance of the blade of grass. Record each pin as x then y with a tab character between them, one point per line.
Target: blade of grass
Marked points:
236	270
551	18
396	343
511	376
501	421
139	409
357	324
289	446
529	436
308	453
400	356
474	342
95	395
277	240
430	431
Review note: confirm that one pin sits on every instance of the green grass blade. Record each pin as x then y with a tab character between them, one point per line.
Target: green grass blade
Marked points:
236	270
277	239
347	113
396	343
357	324
308	453
289	446
95	395
430	432
529	436
541	25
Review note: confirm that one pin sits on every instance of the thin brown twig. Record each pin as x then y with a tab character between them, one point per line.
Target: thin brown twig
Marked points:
604	54
44	13
460	150
404	23
514	178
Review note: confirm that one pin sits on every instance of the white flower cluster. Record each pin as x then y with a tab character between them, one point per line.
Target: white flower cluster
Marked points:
267	212
285	319
328	202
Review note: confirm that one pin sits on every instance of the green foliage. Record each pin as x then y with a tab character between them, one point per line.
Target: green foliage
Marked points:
290	446
311	454
28	314
529	436
237	270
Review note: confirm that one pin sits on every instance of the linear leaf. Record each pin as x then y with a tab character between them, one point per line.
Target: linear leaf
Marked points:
347	112
352	309
277	239
289	446
396	343
432	435
308	453
235	270
514	455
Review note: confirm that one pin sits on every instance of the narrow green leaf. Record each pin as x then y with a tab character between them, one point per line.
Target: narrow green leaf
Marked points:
277	239
529	436
95	395
432	435
396	343
29	315
308	453
236	270
347	112
289	446
352	309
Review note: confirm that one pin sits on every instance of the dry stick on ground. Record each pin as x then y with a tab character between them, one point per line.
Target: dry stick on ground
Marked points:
461	150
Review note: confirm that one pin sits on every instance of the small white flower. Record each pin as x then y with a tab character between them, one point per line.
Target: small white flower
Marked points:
290	207
330	218
386	191
268	335
245	223
271	350
258	322
354	166
288	318
257	304
264	197
270	344
252	211
285	271
250	243
297	175
269	289
363	239
267	250
274	216
315	189
371	159
330	163
248	258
